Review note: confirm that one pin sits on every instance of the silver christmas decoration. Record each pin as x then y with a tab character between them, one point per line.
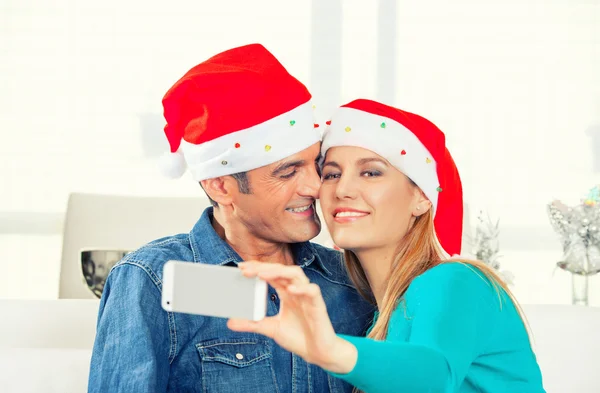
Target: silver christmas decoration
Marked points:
485	245
578	229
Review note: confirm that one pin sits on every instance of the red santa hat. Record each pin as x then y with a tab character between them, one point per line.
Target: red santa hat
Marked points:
416	147
237	111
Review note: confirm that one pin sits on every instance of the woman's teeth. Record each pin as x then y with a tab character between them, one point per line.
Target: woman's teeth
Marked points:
299	209
350	214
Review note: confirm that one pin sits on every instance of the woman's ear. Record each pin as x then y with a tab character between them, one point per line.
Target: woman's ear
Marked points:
220	189
421	204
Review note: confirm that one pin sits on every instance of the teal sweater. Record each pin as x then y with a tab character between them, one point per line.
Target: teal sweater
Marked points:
451	333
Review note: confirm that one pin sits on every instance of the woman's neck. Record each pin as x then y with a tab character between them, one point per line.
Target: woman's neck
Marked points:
377	264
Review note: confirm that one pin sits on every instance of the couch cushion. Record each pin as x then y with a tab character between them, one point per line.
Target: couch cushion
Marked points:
47	370
48	323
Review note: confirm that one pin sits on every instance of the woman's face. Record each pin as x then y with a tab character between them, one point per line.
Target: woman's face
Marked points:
367	203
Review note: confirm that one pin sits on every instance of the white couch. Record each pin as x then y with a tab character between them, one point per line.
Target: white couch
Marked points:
566	340
45	345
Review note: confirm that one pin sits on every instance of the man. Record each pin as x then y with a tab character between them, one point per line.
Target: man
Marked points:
243	126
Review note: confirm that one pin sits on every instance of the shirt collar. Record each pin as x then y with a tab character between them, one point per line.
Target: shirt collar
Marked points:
206	244
306	255
209	248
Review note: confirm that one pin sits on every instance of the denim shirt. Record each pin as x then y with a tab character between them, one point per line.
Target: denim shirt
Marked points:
140	347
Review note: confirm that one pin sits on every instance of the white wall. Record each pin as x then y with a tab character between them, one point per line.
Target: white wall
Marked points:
79	80
513	84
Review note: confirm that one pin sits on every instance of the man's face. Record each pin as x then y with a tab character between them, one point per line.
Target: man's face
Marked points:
281	205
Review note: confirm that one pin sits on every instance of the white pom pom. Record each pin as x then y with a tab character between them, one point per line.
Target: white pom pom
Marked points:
172	165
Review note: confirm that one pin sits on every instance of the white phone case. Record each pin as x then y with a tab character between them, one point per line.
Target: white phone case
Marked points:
215	291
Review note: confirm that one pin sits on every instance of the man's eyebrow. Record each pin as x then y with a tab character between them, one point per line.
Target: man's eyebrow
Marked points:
286	165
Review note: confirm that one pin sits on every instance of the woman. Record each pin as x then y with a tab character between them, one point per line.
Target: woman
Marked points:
391	196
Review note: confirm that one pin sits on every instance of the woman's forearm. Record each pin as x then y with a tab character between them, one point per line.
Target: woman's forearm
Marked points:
386	367
343	357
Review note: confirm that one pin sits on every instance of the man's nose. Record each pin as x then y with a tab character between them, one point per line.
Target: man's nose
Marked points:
312	184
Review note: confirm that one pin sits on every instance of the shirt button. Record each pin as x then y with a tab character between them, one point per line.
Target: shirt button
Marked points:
239	356
273	297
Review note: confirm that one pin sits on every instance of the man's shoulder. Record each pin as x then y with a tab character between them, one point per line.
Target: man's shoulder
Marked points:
153	256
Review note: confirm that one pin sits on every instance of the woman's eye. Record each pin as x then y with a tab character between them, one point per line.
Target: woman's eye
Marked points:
371	173
329	176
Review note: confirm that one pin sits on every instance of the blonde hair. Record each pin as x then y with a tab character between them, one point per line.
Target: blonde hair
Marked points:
418	252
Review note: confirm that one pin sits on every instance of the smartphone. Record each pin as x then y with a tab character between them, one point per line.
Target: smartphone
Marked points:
214	291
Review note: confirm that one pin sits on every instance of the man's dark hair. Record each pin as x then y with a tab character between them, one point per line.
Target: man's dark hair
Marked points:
243	185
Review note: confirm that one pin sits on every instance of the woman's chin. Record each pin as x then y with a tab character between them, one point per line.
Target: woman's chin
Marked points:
346	244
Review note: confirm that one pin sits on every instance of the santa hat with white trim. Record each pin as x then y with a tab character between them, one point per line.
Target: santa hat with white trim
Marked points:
416	147
237	111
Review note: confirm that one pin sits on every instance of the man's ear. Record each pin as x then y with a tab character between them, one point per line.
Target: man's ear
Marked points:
221	189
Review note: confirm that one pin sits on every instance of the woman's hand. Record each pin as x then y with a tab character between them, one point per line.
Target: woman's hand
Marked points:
302	325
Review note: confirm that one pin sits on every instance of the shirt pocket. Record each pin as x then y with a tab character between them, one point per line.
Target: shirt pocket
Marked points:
237	365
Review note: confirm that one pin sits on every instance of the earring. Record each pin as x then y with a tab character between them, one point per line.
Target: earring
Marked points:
418	207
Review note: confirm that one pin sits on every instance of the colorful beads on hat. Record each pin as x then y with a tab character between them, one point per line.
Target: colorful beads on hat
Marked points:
382	125
237	145
428	160
403	152
316	125
223	162
328	122
347	129
439	189
292	122
267	147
